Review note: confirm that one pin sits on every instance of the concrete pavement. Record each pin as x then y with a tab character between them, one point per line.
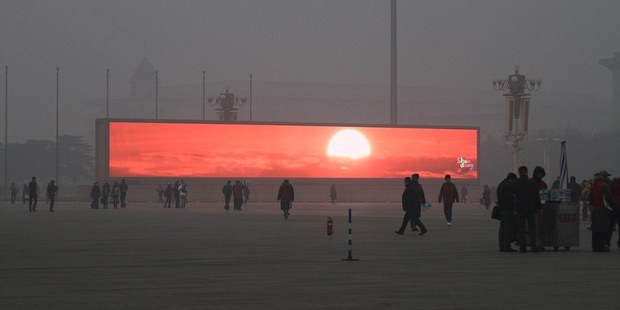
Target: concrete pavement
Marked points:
202	257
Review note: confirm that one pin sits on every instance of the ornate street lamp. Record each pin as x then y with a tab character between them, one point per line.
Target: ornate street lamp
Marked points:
226	103
517	107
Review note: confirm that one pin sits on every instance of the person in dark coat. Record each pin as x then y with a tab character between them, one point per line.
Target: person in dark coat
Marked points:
32	195
527	204
449	194
286	196
486	196
412	200
168	192
575	190
123	189
227	190
51	190
95	193
105	192
506	204
177	194
238	195
115	192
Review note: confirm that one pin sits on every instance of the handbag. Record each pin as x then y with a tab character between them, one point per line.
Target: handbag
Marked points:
495	213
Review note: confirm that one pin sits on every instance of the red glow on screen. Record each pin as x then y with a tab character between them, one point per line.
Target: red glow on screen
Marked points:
139	149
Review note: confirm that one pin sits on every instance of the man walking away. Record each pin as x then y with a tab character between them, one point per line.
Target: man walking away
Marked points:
32	195
168	194
286	195
506	204
527	204
124	189
52	189
227	190
449	194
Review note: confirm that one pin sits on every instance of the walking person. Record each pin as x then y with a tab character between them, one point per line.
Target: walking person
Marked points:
246	192
32	195
527	204
105	192
449	194
24	193
51	191
168	194
507	217
13	193
286	196
160	194
464	193
177	194
602	201
486	197
115	193
227	190
238	195
123	188
332	193
182	194
95	193
412	200
584	199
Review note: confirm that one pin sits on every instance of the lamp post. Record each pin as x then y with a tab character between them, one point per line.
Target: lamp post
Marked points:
250	96
156	94
57	149
226	103
517	103
6	130
107	93
204	109
393	68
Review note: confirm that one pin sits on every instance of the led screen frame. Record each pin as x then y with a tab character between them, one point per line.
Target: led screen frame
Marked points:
199	149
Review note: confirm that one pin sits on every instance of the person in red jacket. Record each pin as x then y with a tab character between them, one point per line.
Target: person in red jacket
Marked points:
286	195
615	189
449	194
601	199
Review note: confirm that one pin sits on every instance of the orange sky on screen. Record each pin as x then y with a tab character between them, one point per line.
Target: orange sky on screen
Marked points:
273	151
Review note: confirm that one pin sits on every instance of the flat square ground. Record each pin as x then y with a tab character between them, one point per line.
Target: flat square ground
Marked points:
202	257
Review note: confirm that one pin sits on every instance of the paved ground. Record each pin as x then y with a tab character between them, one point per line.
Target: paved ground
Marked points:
202	257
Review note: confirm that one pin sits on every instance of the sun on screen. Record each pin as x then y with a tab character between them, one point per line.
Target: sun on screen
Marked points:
348	143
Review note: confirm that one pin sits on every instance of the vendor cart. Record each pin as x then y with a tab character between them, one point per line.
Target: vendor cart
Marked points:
558	220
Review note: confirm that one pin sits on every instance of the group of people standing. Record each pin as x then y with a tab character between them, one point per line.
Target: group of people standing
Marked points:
104	193
176	192
240	193
520	207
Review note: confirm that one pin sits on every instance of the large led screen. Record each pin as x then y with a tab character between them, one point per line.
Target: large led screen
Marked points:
143	149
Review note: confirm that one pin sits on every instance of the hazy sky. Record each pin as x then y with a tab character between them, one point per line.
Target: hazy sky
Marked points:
442	43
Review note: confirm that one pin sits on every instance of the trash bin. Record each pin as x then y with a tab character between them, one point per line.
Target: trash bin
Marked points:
558	221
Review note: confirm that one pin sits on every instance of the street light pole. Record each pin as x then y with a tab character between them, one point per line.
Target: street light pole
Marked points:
107	93
517	108
6	129
393	69
156	94
250	96
57	149
204	109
